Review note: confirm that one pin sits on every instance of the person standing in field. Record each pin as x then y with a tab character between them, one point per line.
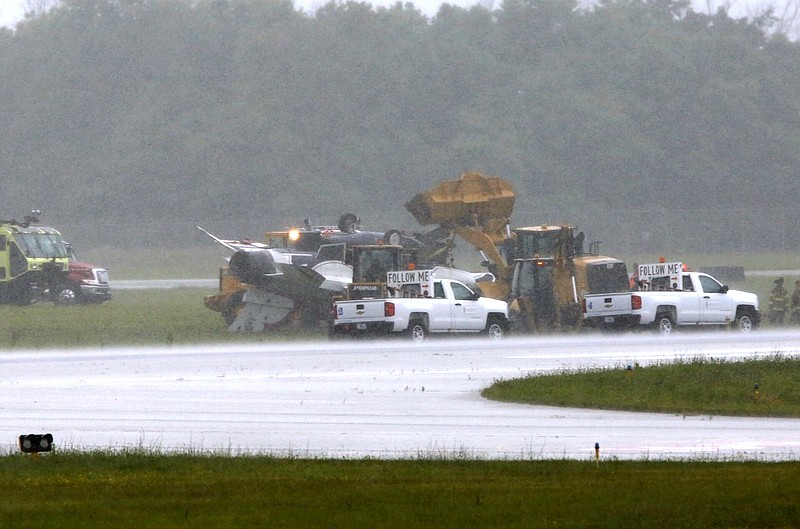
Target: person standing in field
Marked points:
795	317
778	303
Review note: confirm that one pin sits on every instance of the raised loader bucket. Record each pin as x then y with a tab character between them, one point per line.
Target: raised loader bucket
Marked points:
473	199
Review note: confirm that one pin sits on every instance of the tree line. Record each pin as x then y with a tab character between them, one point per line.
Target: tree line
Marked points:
652	126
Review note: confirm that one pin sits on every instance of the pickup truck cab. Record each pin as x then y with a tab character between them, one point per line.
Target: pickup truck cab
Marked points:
418	306
673	298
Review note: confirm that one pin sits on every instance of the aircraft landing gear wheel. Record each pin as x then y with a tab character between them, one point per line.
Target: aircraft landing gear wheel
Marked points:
347	223
392	237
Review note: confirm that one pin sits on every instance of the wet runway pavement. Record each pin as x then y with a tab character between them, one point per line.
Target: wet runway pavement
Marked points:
378	399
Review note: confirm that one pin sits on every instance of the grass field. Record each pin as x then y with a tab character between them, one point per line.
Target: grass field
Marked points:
133	317
137	490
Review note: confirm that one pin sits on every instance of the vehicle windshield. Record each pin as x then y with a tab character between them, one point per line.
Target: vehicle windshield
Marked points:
533	279
542	244
41	245
372	266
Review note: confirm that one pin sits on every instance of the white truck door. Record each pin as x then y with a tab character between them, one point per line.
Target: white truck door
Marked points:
467	313
689	310
715	306
441	317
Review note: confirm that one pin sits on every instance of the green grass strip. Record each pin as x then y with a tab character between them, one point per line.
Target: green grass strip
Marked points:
134	317
755	387
133	490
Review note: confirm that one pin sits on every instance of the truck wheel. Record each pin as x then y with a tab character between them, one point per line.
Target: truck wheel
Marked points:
416	330
65	295
744	321
494	329
664	324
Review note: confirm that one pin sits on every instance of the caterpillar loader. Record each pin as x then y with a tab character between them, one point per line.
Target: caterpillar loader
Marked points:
542	271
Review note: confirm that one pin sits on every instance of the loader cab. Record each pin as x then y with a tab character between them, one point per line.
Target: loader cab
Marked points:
532	288
544	293
548	241
371	262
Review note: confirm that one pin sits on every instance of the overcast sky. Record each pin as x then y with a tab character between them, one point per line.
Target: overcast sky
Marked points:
11	11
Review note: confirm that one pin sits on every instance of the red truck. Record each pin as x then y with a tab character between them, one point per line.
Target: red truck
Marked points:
86	283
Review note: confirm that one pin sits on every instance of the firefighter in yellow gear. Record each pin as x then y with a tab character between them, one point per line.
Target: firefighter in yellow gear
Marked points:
795	317
778	303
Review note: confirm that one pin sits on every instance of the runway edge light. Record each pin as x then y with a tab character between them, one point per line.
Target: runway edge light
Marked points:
34	443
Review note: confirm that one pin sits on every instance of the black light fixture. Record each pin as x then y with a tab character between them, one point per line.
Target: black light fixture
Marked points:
35	443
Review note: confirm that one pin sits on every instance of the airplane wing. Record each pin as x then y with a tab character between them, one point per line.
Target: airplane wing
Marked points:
233	245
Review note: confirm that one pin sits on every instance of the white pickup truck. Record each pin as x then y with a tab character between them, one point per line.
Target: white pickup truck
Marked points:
421	304
667	296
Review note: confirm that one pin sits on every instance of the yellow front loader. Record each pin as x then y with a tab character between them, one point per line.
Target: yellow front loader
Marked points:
542	271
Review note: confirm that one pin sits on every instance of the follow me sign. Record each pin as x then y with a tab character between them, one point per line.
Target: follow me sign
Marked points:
408	276
660	269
